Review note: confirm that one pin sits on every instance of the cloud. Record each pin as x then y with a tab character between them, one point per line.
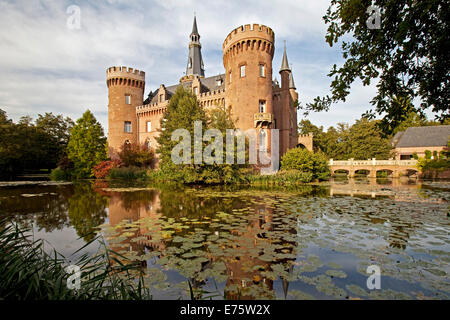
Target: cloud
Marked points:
48	67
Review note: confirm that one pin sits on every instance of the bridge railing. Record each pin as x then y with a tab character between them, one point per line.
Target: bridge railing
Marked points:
373	162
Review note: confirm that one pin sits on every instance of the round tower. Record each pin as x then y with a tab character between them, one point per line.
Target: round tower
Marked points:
247	57
125	92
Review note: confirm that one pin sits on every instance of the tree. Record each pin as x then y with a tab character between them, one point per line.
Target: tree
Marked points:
366	142
408	55
306	161
86	146
181	113
58	129
136	155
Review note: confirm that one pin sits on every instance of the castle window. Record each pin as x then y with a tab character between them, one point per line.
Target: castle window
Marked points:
262	140
127	126
262	70
149	126
161	98
262	106
230	76
127	99
243	71
196	90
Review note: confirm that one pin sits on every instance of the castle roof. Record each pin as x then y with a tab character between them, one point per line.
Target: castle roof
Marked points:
285	64
291	81
209	84
430	136
194	26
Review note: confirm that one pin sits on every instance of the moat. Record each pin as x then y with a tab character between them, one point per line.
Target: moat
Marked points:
305	242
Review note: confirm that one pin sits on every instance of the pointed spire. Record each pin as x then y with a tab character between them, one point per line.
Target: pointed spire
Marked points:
194	26
291	81
285	64
195	60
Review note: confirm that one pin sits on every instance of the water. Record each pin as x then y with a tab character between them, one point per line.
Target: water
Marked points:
307	242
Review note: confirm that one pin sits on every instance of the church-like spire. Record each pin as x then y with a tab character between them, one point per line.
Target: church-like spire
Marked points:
291	81
285	64
194	27
195	60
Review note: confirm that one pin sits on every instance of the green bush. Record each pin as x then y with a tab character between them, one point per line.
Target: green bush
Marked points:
307	162
127	173
59	174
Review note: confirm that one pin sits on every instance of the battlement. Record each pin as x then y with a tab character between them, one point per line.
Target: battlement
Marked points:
306	135
211	93
249	31
125	72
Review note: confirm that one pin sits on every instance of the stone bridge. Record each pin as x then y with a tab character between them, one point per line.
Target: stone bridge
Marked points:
394	167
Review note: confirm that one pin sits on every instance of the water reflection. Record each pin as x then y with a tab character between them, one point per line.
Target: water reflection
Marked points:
259	243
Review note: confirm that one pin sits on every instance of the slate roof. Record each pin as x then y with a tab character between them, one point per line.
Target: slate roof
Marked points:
432	136
208	85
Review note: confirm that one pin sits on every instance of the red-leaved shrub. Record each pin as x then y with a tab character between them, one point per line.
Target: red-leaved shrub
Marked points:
102	170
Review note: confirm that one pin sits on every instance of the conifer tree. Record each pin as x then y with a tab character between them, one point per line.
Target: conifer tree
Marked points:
86	147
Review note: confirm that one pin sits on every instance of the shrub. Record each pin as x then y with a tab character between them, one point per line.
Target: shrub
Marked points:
102	170
305	161
59	174
127	173
135	155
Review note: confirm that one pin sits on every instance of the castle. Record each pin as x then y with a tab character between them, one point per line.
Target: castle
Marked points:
246	90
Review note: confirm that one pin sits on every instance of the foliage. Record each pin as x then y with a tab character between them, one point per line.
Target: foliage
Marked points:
127	173
136	155
86	147
27	272
315	164
25	146
362	140
182	111
408	55
58	174
58	132
102	170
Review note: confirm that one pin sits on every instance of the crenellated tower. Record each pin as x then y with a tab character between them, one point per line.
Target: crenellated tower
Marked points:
125	92
247	57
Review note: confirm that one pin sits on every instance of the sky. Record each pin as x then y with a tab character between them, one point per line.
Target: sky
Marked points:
48	64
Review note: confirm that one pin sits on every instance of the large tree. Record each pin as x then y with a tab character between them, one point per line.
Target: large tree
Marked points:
407	55
87	145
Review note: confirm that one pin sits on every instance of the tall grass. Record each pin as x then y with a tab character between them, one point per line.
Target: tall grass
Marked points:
27	272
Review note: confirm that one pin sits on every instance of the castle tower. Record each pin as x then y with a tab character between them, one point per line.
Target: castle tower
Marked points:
293	136
195	61
283	112
247	58
125	93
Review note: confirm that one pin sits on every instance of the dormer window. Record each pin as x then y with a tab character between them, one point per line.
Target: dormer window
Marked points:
219	82
196	90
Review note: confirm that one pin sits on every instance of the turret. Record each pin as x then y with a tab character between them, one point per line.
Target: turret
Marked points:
125	92
247	58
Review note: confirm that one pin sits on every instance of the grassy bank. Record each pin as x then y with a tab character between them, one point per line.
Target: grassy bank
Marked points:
27	272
